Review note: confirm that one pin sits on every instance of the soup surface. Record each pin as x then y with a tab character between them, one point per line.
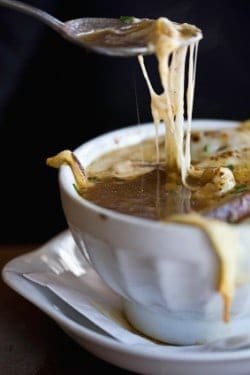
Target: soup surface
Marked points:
131	181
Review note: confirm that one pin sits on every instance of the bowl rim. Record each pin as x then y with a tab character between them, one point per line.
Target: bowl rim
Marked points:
65	174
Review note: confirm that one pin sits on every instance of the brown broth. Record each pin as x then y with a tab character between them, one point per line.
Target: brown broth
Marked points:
149	196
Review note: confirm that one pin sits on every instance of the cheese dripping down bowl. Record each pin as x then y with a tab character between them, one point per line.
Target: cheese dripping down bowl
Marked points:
175	286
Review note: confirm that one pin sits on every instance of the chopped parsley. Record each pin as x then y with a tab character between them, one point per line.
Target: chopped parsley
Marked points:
240	188
127	19
93	178
230	166
76	188
206	148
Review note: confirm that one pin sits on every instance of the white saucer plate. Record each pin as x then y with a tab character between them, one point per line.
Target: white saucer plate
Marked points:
131	357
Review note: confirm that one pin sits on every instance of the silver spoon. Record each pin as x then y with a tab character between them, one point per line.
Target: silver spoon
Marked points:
126	36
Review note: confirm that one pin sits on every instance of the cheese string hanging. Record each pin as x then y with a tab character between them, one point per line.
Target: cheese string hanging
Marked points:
169	105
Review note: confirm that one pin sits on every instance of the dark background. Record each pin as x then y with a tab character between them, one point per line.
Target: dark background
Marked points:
54	95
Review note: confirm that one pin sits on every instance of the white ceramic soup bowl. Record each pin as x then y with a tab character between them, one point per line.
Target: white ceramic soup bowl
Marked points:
167	274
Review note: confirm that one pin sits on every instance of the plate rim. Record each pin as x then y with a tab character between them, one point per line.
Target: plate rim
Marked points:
10	277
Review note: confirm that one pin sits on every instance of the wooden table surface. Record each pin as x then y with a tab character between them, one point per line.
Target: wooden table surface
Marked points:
31	343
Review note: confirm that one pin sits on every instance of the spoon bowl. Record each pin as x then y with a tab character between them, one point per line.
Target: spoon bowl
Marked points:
124	37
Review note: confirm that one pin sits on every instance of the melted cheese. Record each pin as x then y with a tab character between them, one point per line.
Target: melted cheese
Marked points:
169	105
227	250
67	157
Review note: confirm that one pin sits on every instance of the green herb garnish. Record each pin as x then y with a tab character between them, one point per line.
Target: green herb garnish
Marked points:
93	178
205	148
230	166
76	188
240	188
127	19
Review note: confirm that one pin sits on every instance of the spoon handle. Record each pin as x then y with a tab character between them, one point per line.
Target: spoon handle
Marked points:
45	17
